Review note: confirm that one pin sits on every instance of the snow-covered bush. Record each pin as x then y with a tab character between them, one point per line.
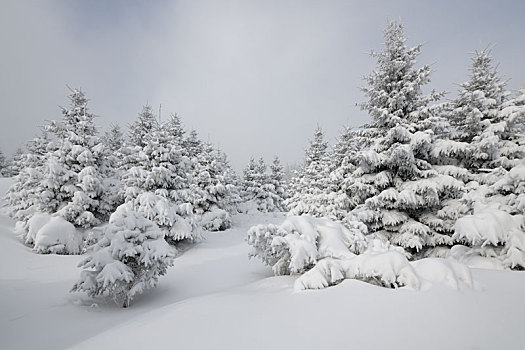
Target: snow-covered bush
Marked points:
326	252
52	234
297	244
127	260
492	232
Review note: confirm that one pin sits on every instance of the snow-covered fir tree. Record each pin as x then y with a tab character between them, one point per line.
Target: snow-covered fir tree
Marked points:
192	144
215	196
174	128
257	188
13	165
278	187
310	182
158	185
487	136
397	192
113	138
24	194
71	175
335	202
127	260
142	127
2	163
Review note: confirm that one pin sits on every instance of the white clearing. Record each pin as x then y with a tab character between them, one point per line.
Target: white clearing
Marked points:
215	298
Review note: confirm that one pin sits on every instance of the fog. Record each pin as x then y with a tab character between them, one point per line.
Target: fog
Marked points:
252	77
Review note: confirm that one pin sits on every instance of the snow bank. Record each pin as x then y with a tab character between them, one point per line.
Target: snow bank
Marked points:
326	252
53	234
493	232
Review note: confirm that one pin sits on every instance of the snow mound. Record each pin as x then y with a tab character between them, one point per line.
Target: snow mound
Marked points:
53	234
297	244
326	252
491	231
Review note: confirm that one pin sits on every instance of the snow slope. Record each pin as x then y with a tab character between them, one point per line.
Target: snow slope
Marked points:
215	298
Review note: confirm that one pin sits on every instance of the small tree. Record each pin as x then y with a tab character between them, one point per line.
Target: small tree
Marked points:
3	164
278	187
310	183
128	259
488	136
158	186
142	127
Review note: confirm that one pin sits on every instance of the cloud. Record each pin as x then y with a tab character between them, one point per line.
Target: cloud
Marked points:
254	77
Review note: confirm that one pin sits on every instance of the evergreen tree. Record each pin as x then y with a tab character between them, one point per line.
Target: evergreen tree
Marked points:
335	202
113	139
70	181
192	144
2	163
215	195
254	193
397	192
127	260
142	127
488	137
158	186
278	188
310	183
23	194
174	128
16	163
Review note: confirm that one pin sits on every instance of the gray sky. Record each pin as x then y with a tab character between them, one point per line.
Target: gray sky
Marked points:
253	77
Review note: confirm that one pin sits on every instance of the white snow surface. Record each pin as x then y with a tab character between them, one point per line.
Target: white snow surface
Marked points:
215	298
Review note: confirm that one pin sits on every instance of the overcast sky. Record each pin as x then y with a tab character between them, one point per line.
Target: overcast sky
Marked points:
253	77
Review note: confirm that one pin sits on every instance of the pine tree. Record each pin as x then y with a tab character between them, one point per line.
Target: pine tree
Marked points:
309	185
71	182
127	260
398	194
278	187
142	127
158	186
15	164
24	193
192	144
174	128
2	163
335	203
113	139
215	196
487	135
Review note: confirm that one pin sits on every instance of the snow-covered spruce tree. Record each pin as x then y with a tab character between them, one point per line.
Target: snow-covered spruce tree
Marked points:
215	197
138	136
278	187
309	185
489	136
13	165
142	127
256	187
81	155
174	128
128	259
398	194
158	186
341	162
113	138
191	144
3	164
24	192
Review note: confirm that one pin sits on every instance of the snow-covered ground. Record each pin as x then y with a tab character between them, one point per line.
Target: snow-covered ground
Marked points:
215	298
